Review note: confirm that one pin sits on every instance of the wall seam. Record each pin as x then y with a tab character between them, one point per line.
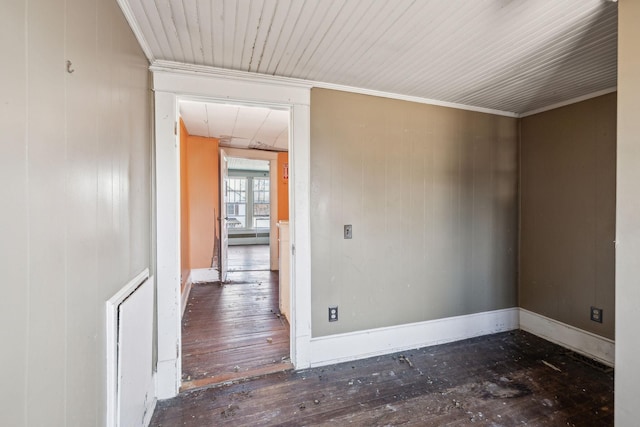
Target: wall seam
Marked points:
66	222
519	212
28	212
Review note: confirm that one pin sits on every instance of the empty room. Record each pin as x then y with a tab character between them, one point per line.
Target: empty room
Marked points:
283	212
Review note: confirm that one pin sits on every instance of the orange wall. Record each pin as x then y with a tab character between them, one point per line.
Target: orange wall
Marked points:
204	189
200	198
283	187
185	262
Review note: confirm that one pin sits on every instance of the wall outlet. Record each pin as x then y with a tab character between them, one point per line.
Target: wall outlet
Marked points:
333	314
596	314
348	231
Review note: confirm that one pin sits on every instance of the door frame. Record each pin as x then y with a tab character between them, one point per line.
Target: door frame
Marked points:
171	83
223	248
272	158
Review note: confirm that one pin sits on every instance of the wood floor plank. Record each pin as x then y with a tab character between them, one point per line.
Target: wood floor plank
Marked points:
235	330
497	380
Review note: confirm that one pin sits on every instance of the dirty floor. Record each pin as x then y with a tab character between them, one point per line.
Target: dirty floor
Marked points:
248	258
506	379
235	330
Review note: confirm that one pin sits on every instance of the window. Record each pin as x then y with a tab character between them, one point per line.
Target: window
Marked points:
248	209
260	202
236	196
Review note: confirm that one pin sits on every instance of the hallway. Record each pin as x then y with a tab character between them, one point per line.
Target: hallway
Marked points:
235	330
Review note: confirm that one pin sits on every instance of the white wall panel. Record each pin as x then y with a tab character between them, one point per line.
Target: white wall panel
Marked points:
46	236
14	261
80	210
77	159
627	219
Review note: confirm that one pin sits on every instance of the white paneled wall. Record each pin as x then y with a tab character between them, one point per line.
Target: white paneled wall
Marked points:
75	222
627	219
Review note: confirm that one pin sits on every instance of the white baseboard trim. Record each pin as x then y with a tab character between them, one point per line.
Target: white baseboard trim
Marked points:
583	342
185	293
373	342
168	377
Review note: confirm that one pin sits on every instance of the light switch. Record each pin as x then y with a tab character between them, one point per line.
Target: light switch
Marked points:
348	231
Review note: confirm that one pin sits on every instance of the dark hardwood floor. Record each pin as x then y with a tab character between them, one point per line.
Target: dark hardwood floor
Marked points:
234	330
507	379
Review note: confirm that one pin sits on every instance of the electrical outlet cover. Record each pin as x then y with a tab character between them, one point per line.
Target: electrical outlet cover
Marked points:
333	314
596	314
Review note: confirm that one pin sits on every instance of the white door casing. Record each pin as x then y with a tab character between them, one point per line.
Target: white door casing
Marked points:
272	158
224	223
172	82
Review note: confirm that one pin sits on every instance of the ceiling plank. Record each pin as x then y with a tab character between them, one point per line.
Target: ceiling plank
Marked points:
229	22
162	9
492	54
262	34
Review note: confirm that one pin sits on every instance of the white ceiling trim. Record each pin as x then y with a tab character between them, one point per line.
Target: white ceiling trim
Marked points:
205	70
178	67
570	101
416	99
133	23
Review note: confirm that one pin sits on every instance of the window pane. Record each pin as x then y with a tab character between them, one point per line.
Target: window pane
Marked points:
261	190
261	202
236	190
236	195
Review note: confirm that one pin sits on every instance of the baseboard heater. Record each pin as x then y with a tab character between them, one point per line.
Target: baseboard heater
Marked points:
248	239
130	386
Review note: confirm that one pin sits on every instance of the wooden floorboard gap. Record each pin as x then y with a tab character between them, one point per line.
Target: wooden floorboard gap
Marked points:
494	380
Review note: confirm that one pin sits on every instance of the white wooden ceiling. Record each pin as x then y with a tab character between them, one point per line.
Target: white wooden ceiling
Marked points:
508	55
238	126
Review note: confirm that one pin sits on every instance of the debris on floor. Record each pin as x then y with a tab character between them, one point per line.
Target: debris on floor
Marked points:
230	411
405	359
495	380
555	368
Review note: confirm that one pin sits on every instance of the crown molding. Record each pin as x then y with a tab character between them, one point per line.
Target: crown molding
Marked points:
570	101
205	70
183	68
133	23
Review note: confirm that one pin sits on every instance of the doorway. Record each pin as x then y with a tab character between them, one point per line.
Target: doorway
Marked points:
233	327
248	202
171	84
248	175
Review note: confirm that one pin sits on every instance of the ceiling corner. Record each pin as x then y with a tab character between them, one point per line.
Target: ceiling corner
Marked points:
137	31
